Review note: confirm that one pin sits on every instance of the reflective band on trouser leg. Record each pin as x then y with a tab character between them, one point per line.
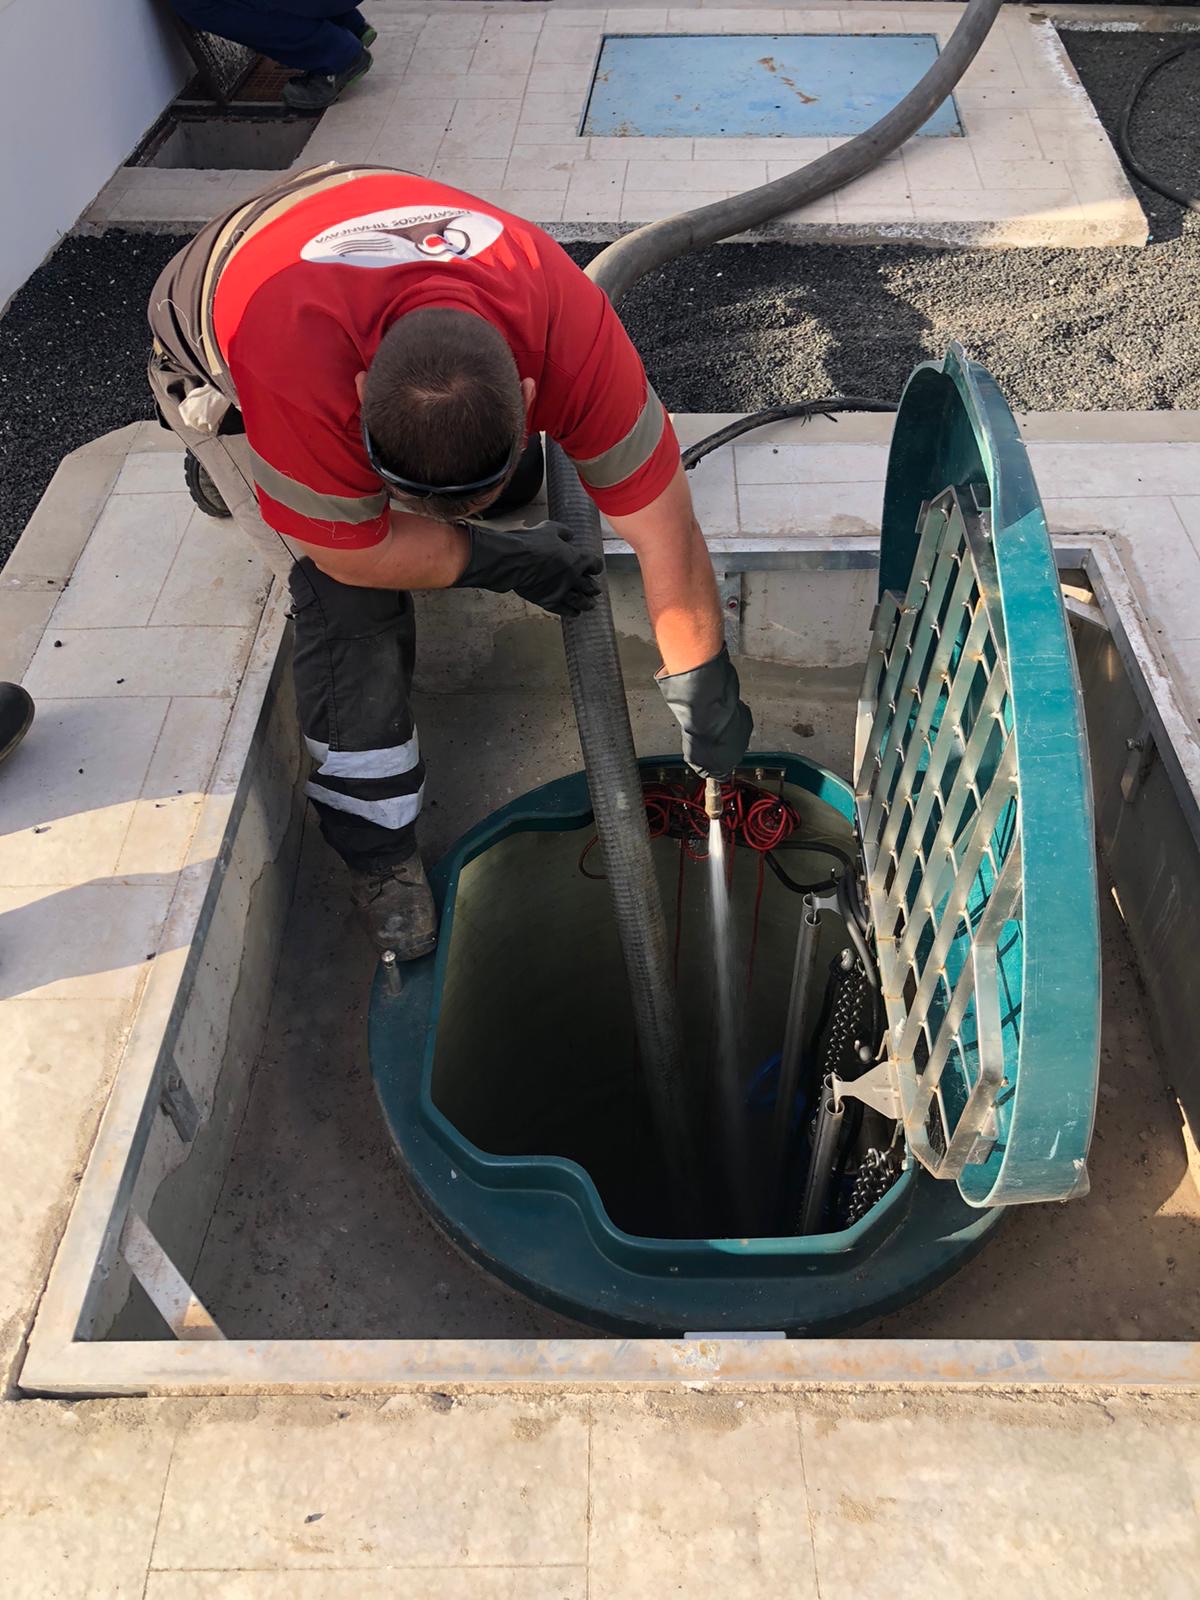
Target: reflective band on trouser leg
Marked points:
365	763
353	664
381	786
395	812
356	781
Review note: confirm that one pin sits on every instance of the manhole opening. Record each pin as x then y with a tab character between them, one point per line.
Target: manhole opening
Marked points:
226	140
534	946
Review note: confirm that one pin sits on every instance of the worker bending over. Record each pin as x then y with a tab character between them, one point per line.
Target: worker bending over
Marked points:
362	361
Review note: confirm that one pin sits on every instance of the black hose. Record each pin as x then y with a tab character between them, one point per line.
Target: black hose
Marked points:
632	257
597	688
1190	202
801	408
615	785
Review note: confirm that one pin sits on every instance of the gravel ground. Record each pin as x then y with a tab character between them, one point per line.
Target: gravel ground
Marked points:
1165	129
73	348
739	326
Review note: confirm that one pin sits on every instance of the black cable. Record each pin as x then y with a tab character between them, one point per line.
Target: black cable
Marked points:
817	846
804	409
1190	202
789	882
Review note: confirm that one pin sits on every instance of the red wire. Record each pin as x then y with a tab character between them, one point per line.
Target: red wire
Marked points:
752	816
596	877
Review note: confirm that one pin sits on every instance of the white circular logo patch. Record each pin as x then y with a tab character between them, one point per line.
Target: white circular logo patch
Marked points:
404	235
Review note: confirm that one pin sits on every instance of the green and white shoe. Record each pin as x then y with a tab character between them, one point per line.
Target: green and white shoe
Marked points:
314	91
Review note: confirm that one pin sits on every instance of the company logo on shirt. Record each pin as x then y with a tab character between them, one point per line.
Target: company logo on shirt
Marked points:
404	235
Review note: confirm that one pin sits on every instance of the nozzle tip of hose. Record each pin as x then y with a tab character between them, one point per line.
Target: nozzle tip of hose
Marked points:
714	798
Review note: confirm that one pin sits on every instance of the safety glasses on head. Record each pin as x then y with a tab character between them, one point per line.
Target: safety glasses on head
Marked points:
454	491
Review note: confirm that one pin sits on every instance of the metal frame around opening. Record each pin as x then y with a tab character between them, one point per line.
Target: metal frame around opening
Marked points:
61	1363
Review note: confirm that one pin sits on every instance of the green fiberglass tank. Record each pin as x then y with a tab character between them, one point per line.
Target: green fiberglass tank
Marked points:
959	1075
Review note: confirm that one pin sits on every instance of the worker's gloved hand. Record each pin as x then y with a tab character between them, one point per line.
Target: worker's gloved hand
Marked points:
540	564
716	722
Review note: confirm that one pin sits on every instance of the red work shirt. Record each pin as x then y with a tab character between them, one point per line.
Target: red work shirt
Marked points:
302	305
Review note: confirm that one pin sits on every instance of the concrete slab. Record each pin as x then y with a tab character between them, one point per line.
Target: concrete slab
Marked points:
374	1494
469	99
875	1530
80	1501
68	799
173	661
663	1478
82	1488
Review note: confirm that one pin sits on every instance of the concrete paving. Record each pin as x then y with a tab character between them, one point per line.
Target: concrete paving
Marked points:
490	98
490	1498
760	1497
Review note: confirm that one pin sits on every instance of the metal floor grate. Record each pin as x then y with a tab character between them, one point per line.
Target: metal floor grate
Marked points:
939	819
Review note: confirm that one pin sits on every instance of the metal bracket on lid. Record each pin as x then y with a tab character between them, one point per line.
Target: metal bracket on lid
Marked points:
876	1089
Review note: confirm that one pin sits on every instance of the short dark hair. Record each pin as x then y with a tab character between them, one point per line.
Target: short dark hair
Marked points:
443	401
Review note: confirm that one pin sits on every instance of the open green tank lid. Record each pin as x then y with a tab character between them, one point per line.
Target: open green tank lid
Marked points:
974	806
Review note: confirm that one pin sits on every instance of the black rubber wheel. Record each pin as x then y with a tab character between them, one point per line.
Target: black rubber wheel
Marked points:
202	489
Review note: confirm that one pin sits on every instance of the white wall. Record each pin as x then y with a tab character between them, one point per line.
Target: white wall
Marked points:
80	82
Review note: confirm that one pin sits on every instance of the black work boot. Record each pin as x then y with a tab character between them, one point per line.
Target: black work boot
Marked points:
313	91
16	713
396	906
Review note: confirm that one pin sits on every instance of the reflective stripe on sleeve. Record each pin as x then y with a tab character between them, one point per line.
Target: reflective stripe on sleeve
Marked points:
307	502
623	459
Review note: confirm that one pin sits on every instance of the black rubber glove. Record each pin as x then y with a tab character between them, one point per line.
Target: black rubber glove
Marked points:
540	564
716	723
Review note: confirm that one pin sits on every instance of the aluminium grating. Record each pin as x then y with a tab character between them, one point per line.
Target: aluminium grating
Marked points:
939	823
974	810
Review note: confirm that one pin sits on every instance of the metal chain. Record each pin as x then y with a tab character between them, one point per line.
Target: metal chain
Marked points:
876	1175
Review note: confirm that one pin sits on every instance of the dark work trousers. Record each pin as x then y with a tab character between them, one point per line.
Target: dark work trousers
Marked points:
310	35
354	655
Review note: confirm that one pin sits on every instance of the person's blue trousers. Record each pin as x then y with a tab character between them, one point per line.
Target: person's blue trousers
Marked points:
311	35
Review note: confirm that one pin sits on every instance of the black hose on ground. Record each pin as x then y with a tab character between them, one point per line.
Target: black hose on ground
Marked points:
759	419
1190	202
597	687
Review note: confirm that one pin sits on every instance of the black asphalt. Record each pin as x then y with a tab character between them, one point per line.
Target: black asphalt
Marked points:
736	327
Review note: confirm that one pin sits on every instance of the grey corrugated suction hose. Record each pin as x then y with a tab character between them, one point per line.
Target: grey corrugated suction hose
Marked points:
597	687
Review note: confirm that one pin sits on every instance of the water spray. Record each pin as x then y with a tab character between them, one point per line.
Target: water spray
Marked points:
728	1098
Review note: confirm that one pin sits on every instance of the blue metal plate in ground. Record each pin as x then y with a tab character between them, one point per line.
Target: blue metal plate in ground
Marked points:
795	85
